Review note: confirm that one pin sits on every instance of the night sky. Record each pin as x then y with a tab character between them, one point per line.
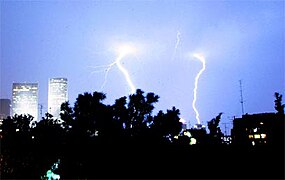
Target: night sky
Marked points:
241	40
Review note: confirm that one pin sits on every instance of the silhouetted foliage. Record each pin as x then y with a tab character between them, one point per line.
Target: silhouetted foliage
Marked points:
49	131
124	138
66	115
278	103
167	125
215	131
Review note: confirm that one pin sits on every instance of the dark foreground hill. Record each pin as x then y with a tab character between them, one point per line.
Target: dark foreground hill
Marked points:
124	161
174	162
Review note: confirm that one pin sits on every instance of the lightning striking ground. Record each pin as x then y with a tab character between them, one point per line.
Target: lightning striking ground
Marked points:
122	52
202	59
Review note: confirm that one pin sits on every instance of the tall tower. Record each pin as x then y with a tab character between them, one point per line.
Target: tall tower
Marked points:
57	94
25	99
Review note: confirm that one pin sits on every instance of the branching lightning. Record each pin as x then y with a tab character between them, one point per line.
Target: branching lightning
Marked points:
122	52
178	37
202	59
125	72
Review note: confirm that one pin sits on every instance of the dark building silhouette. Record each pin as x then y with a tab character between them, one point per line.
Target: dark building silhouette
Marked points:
5	109
259	129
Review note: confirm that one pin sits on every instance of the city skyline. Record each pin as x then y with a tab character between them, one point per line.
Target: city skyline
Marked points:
57	94
240	41
25	99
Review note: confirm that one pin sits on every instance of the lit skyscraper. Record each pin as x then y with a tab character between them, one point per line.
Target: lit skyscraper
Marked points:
57	94
25	99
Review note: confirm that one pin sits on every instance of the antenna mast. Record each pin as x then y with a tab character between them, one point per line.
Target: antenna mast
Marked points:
241	97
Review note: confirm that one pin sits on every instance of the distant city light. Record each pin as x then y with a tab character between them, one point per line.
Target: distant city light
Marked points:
263	136
193	141
257	136
187	133
182	120
255	130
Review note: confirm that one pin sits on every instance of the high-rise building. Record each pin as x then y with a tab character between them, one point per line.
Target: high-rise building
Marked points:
57	94
259	129
25	99
5	106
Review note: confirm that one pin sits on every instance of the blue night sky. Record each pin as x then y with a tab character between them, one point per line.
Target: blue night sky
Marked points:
241	40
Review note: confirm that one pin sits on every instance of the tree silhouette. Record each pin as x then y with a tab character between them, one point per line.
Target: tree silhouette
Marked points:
16	143
215	131
139	110
66	115
279	107
92	133
167	125
48	131
89	113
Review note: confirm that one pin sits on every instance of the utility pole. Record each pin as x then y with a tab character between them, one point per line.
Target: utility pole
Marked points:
241	97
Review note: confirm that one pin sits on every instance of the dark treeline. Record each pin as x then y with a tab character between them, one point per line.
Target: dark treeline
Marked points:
125	140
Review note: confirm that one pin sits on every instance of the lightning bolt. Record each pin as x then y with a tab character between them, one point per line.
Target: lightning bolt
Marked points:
178	35
202	59
103	68
123	51
125	72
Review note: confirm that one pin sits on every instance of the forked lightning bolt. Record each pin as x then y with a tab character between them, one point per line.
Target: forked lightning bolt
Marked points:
122	52
202	59
125	72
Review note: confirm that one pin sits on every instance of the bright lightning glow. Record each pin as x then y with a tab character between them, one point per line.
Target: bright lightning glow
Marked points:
122	51
125	72
125	49
201	58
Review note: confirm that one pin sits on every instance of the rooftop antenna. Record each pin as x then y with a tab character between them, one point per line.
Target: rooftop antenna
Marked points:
241	97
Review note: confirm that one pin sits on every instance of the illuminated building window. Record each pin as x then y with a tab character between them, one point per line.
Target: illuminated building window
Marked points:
263	136
250	136
257	136
255	130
